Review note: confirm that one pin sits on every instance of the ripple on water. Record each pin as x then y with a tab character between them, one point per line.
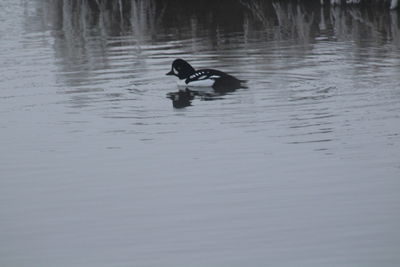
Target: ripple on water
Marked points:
96	161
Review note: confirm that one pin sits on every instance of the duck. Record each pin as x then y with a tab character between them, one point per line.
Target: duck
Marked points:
190	77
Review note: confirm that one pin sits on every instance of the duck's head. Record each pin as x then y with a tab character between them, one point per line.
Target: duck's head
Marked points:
181	69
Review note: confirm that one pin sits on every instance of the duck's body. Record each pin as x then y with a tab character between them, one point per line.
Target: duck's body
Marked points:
188	76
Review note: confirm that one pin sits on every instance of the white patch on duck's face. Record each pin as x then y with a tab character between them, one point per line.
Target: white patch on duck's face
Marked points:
176	72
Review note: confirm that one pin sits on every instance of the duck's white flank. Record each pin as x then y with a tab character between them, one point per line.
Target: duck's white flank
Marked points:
199	83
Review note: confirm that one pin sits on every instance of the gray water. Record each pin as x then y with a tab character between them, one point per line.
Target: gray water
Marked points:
301	168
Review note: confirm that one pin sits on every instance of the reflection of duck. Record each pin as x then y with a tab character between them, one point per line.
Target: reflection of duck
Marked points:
183	97
216	79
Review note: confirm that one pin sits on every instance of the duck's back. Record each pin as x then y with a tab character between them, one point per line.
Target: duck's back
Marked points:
211	77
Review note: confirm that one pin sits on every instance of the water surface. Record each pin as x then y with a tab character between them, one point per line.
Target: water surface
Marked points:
301	168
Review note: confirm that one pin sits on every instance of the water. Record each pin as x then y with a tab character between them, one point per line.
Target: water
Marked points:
99	169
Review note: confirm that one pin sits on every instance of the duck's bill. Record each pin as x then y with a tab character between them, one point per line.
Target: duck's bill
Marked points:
170	73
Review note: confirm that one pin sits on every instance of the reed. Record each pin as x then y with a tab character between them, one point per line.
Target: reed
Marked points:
146	21
392	4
